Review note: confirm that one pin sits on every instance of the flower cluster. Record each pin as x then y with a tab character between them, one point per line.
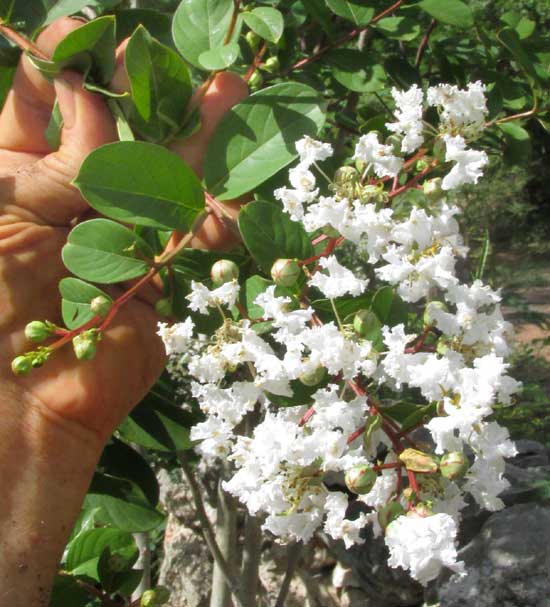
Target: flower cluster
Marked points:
318	371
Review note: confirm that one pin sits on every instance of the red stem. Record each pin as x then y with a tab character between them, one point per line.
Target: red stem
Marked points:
255	62
413	181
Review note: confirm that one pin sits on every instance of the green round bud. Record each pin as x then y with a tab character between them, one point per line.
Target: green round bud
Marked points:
422	165
285	272
389	512
37	331
365	322
163	307
85	345
253	40
21	365
272	65
100	306
440	149
224	271
428	318
154	598
360	479
453	465
313	377
346	175
256	80
420	510
432	188
395	141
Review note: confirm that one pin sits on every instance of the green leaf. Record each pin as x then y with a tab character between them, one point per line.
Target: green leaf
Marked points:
85	550
346	306
75	304
53	132
400	28
120	460
201	25
64	8
268	23
510	39
141	183
452	12
389	307
106	252
67	591
29	13
122	504
353	69
219	58
270	234
90	49
353	10
116	570
257	138
195	264
254	286
160	85
518	143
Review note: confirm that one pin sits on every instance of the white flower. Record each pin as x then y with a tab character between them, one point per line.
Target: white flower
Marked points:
339	280
302	178
311	151
294	201
336	523
371	151
409	117
423	545
463	110
468	163
177	337
201	297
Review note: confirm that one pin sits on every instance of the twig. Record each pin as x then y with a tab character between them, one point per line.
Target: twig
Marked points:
424	43
233	22
292	557
255	62
22	42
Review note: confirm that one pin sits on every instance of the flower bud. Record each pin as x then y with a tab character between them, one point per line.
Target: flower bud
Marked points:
365	323
224	271
85	344
418	461
253	40
422	165
428	317
37	331
256	80
100	306
389	512
440	149
272	65
432	187
163	307
21	365
312	378
360	479
453	465
154	598
421	510
346	175
285	272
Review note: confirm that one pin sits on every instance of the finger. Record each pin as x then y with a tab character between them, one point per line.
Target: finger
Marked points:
28	106
45	188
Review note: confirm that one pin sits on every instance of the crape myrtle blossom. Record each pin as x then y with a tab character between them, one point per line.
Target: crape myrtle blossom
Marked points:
314	378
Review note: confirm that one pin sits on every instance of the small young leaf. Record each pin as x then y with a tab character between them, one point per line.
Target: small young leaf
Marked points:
141	183
106	252
353	10
267	22
257	137
453	12
269	234
75	305
219	58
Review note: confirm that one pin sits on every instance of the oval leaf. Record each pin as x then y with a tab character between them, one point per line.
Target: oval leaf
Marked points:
103	251
257	138
267	22
141	183
453	12
353	10
352	69
75	305
219	58
269	234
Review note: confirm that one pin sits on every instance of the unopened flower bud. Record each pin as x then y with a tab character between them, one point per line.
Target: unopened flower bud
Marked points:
360	479
21	365
85	344
422	165
395	141
440	149
256	80
163	307
346	175
154	598
365	322
420	510
312	378
100	306
224	270
453	465
272	65
37	331
432	187
389	512
418	461
253	40
432	307
285	272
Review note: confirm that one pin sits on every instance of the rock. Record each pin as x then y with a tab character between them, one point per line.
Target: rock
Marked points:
507	563
530	454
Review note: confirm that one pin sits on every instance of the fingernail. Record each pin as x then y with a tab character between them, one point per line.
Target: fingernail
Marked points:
66	99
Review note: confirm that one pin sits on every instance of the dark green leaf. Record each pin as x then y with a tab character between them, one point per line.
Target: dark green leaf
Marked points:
354	70
257	138
67	591
29	13
267	22
270	234
106	252
353	10
158	24
512	42
75	305
400	28
453	12
64	8
141	183
255	285
219	58
518	143
389	307
346	306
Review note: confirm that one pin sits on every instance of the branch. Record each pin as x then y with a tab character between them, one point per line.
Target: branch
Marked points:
231	28
424	43
292	558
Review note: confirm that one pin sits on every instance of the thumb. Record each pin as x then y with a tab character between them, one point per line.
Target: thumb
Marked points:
87	124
